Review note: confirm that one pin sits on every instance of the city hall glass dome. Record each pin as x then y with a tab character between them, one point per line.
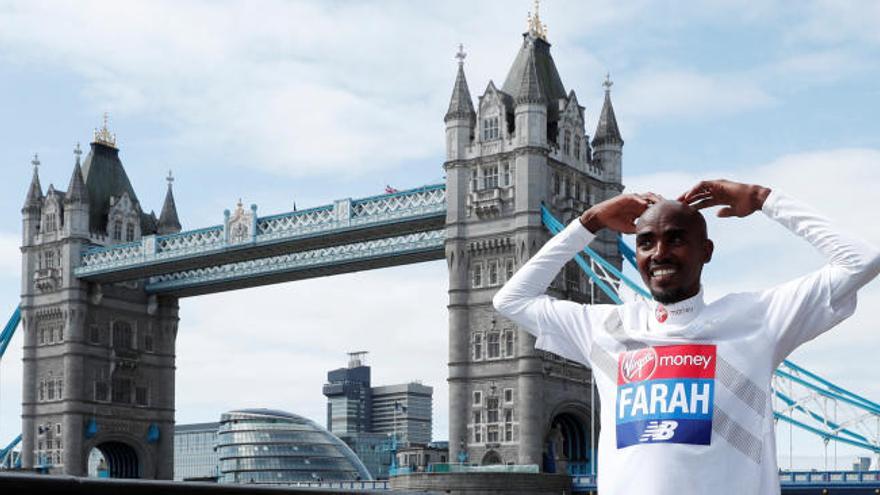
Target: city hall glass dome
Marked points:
264	446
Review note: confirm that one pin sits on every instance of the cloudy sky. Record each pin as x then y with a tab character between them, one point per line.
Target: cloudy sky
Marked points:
277	102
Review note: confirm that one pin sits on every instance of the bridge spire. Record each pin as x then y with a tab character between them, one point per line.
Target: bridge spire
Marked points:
460	105
76	190
168	220
35	191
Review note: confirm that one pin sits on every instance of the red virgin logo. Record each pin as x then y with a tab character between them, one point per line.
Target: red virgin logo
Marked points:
660	313
638	365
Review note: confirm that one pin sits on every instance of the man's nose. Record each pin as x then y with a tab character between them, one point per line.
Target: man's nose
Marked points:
661	251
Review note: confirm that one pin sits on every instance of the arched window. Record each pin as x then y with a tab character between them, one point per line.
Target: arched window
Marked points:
129	232
566	142
577	149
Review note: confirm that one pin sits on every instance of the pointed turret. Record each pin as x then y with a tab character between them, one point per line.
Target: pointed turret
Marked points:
168	221
460	105
607	131
35	192
460	118
76	191
530	86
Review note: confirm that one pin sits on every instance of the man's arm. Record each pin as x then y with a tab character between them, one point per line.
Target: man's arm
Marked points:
803	308
563	327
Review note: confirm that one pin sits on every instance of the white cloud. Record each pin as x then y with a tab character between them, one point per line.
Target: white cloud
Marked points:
10	255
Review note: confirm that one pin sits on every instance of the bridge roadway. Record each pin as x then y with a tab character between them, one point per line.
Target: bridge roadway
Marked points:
349	235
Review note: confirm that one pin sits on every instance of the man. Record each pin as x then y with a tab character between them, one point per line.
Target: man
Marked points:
685	385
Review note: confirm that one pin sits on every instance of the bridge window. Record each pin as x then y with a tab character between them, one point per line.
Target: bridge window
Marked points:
508	425
478	434
493	345
117	230
50	390
478	275
577	148
478	397
129	232
475	180
493	272
478	417
490	128
59	388
101	391
492	410
509	268
508	343
122	335
141	397
490	177
506	178
478	348
42	390
556	184
508	395
121	392
566	142
492	434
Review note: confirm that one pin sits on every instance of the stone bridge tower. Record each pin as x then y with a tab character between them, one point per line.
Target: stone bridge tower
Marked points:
98	360
523	145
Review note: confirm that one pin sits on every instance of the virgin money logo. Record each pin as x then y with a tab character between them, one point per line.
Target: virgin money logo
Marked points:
638	365
661	314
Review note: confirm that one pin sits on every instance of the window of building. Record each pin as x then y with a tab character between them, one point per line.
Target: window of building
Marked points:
478	275
493	272
566	143
42	390
478	417
475	180
117	230
556	184
121	390
140	396
578	191
43	336
50	390
122	335
101	391
129	232
508	395
478	434
58	431
148	341
508	425
506	176
94	334
493	345
492	434
509	268
478	397
59	388
577	149
491	409
508	343
490	128
478	347
490	177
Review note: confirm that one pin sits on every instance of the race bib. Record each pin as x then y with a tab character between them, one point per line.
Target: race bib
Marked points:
665	394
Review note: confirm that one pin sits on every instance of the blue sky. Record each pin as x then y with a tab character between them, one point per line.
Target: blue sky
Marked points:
277	102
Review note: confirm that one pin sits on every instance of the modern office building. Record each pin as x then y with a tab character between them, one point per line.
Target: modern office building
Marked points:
353	406
403	411
195	452
348	397
373	449
264	446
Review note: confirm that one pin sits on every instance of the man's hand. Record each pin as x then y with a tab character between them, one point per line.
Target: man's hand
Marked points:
618	213
739	200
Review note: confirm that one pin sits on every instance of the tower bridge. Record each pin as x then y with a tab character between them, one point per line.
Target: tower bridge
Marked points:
103	279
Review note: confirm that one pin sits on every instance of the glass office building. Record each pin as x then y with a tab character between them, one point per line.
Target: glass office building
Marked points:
195	454
264	446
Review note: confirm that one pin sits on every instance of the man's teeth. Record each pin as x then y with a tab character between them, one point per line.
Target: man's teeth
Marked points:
664	271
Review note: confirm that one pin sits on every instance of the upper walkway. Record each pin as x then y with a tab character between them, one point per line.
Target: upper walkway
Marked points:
246	250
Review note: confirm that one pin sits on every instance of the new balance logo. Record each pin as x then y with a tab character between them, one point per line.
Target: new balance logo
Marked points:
658	431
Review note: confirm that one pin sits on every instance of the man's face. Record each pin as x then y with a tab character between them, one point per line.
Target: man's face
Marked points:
671	249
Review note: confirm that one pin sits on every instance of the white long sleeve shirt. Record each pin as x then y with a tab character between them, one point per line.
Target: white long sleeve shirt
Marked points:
685	387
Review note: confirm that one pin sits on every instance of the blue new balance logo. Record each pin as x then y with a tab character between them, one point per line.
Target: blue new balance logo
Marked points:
658	431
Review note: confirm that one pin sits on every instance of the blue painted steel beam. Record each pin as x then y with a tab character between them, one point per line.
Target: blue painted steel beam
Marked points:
9	330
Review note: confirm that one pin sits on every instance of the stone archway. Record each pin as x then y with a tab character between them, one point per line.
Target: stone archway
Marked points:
567	443
491	459
116	460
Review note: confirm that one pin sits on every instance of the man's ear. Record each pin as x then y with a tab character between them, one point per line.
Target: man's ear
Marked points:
708	248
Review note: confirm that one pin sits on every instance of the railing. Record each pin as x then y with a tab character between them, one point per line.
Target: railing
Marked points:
341	215
829	477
